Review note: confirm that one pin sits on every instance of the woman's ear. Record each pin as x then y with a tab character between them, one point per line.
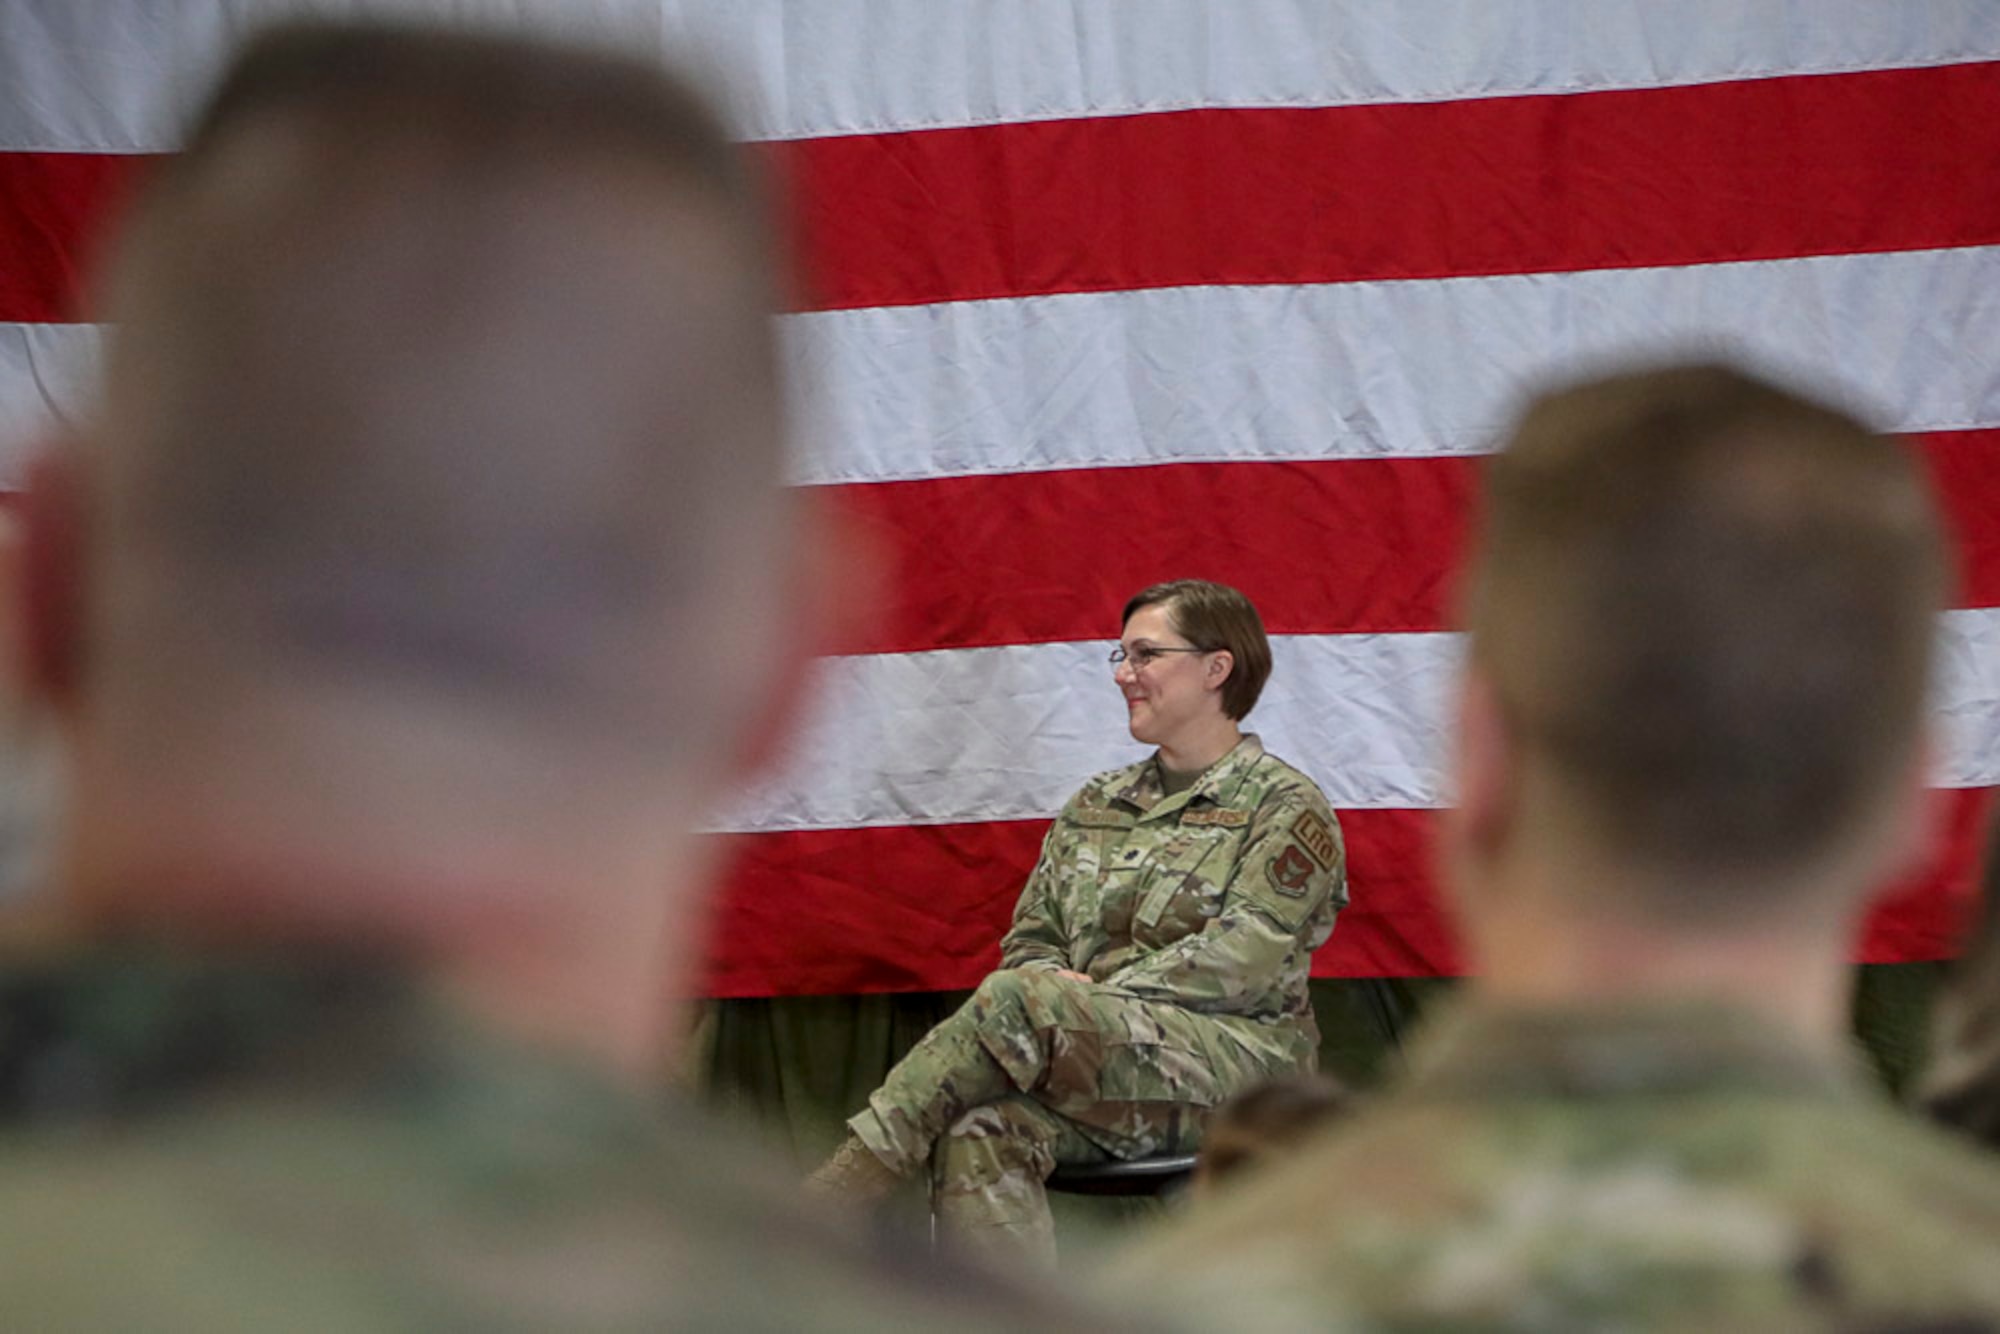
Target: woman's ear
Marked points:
1220	664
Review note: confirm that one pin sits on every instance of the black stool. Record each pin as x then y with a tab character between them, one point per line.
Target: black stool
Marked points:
1141	1176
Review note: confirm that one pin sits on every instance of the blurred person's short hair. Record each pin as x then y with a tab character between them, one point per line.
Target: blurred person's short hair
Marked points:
1708	604
367	411
1215	616
1267	1120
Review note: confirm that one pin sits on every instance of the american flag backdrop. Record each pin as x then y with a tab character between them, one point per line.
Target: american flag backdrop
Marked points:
1100	292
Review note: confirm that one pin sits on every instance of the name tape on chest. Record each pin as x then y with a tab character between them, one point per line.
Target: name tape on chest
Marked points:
1220	816
1316	838
1098	819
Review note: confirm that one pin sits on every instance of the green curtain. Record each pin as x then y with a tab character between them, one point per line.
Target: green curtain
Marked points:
798	1066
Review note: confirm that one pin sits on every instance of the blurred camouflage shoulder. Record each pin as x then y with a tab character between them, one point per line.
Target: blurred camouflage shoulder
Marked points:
191	1147
1675	1170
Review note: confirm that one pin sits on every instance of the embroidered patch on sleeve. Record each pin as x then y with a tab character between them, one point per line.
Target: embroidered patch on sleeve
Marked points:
1291	870
1316	838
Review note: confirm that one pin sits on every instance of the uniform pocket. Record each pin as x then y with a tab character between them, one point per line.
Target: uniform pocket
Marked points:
1182	889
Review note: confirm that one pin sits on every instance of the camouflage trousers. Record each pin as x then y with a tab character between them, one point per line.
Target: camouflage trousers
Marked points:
1038	1070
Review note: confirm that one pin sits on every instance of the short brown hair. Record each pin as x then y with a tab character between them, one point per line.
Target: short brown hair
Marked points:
1275	1116
365	403
1709	603
1216	616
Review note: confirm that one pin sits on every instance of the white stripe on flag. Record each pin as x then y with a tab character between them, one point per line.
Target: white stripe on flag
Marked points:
1009	733
1349	370
887	65
125	76
48	374
1368	369
121	75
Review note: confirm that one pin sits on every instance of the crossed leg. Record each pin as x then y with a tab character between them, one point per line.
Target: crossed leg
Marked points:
1038	1069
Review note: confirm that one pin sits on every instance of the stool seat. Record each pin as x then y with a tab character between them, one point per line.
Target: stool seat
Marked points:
1140	1176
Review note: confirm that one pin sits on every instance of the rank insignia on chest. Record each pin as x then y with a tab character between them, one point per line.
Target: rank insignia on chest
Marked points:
1291	870
1316	838
1220	816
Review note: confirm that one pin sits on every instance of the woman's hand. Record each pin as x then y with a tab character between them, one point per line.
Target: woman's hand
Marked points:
1068	972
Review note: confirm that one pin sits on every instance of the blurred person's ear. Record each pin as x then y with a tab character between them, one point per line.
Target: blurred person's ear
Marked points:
39	616
831	597
1478	823
41	571
1916	828
13	606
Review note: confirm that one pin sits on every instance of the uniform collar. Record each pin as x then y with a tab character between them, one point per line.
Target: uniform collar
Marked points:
1484	1051
1145	791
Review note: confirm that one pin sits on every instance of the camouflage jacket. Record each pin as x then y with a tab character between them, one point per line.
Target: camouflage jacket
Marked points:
1213	899
190	1146
1651	1168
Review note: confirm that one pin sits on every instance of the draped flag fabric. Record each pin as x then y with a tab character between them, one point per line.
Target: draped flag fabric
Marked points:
1095	294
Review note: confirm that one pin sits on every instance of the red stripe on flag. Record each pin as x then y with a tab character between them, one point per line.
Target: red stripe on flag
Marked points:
1347	546
1041	557
921	908
1965	476
1757	169
53	208
1923	915
1760	169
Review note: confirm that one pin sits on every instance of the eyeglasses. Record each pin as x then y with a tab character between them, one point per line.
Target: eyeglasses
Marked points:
1141	656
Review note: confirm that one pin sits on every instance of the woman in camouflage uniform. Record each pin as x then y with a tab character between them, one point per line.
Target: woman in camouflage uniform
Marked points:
1157	960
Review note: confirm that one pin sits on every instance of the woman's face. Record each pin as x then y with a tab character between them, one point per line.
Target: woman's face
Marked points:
1163	694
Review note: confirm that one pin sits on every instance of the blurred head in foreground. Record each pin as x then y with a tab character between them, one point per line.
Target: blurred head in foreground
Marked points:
425	573
427	565
1700	615
1962	1086
1262	1125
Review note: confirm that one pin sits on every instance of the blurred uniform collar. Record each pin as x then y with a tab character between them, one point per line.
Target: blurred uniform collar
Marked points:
1482	1050
123	1030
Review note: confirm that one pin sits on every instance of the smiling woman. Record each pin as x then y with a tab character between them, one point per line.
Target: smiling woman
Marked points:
1190	714
1157	960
